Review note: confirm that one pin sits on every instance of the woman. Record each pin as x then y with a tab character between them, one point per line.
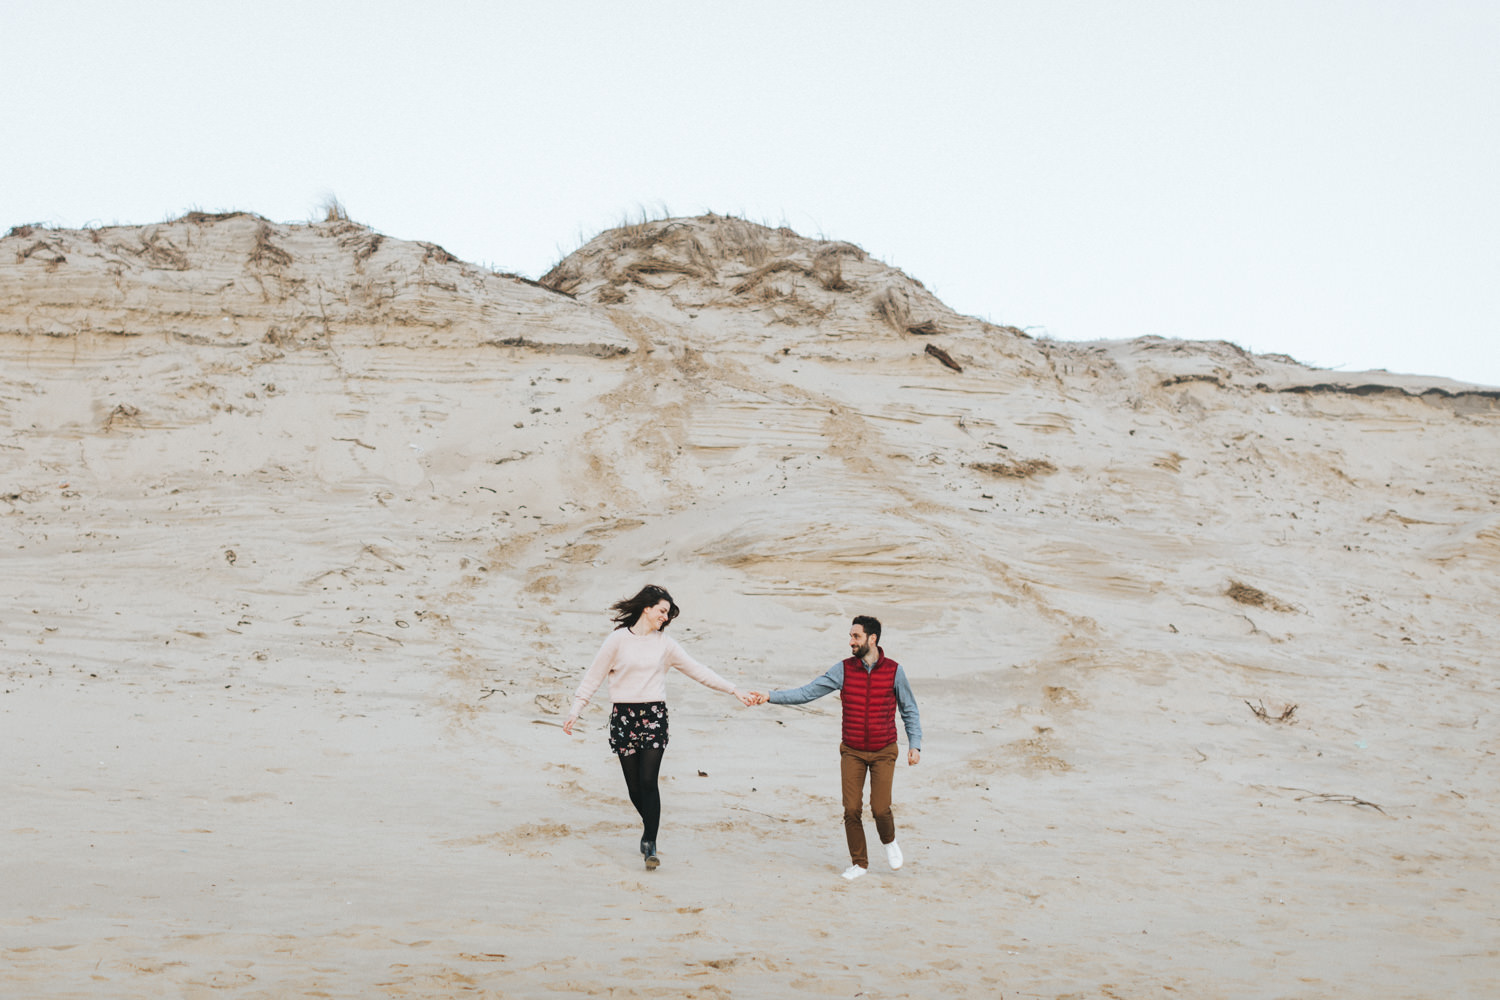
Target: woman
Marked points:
635	658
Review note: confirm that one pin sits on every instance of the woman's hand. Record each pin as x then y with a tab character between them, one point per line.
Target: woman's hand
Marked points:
747	698
568	726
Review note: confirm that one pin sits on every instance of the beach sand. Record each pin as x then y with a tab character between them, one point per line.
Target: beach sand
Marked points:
309	535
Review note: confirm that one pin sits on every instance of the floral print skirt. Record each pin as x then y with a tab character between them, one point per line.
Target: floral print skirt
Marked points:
637	726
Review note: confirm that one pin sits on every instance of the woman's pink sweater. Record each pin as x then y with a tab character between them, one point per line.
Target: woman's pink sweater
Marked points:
636	666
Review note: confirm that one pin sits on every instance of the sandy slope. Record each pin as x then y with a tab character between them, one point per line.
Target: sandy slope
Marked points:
308	535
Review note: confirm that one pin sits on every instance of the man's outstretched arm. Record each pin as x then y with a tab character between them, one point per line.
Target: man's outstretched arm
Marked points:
830	682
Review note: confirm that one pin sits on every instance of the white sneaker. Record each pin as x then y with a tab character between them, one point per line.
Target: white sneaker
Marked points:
853	872
893	855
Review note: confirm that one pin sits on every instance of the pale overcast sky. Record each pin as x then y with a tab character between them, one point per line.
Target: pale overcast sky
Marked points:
1311	178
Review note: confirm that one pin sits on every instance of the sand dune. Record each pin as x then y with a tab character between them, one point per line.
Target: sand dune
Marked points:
309	534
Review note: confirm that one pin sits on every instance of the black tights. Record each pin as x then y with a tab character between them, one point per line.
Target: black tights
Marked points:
641	769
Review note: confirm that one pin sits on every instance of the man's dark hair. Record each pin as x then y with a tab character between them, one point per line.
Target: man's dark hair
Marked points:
870	625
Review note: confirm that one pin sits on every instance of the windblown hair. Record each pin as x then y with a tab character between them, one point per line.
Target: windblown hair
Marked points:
870	625
628	611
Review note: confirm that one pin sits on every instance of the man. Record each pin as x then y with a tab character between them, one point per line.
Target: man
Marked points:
873	688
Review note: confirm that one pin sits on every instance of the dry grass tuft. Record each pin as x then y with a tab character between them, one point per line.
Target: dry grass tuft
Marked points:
1014	331
266	254
639	271
1029	468
436	254
1171	461
828	265
829	272
123	415
894	306
633	236
161	253
761	274
533	283
640	233
1186	379
637	235
333	210
1243	593
1285	715
696	252
1335	797
25	229
678	239
564	277
45	251
198	218
742	240
840	248
364	245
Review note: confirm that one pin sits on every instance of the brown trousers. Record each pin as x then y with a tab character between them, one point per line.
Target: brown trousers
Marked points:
881	765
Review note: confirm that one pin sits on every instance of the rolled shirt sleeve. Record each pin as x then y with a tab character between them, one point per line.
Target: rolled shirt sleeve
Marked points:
906	704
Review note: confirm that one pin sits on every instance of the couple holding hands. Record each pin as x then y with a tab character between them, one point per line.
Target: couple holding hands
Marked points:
873	687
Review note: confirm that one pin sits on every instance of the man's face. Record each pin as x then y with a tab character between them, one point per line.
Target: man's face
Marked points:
860	645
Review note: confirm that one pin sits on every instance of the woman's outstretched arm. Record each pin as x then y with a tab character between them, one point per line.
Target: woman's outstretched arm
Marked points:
677	657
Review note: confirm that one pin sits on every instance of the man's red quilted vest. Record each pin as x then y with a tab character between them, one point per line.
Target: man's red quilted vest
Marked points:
869	704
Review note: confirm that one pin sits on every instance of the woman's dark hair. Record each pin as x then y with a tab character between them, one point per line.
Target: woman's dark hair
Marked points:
628	611
870	625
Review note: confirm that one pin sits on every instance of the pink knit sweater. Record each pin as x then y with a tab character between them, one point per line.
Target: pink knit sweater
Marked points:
636	666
